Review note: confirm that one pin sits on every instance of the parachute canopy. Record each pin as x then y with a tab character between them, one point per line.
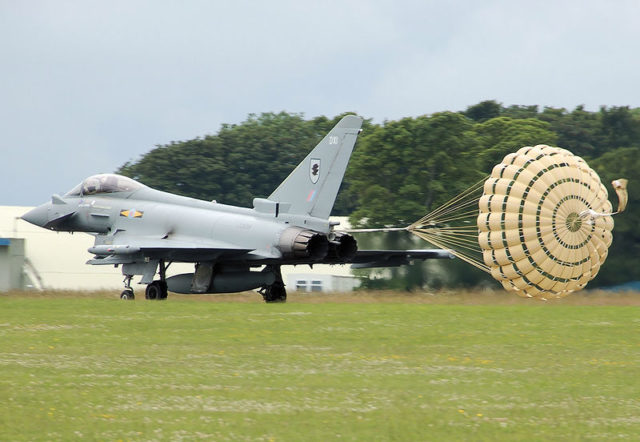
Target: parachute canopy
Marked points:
541	226
537	235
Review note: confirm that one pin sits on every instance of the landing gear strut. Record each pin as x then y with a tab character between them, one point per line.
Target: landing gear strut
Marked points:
158	289
276	291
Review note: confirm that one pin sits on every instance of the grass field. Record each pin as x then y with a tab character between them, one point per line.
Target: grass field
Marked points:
375	367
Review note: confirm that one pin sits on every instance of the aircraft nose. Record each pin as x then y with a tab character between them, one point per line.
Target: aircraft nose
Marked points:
38	216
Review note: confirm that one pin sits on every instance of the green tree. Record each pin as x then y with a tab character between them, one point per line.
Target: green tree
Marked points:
518	111
578	131
619	128
484	111
405	168
503	135
590	134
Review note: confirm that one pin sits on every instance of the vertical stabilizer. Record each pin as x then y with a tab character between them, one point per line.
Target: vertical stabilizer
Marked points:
312	187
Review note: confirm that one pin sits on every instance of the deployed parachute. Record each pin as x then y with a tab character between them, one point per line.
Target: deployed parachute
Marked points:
537	233
543	222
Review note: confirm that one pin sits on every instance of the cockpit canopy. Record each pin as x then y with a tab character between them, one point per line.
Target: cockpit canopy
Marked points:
104	183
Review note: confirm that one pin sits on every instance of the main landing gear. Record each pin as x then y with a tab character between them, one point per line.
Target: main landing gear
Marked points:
157	290
276	291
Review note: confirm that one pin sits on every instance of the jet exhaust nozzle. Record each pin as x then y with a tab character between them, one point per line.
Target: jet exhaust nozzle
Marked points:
342	247
300	243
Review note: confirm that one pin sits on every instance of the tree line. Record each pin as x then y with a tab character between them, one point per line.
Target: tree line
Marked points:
401	170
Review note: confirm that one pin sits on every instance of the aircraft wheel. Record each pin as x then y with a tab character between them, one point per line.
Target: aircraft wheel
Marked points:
156	290
275	293
127	295
152	291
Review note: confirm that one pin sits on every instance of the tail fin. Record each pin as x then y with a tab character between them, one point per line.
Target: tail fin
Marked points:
312	187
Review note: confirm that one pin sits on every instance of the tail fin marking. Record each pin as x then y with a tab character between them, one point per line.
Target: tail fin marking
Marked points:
312	187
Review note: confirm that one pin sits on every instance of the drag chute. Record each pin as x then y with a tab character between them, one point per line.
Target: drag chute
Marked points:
542	224
538	233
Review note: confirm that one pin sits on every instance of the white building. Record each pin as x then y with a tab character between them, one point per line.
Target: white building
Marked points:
56	260
321	282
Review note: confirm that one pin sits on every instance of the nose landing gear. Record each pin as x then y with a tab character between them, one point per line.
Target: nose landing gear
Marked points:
127	293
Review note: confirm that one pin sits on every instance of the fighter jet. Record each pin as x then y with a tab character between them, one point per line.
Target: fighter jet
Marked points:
233	249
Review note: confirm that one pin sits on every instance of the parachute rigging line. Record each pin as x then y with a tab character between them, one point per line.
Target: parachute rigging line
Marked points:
452	226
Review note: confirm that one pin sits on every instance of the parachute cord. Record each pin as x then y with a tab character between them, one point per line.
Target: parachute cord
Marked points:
451	209
453	226
451	205
455	251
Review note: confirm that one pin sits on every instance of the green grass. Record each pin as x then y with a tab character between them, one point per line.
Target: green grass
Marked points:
185	369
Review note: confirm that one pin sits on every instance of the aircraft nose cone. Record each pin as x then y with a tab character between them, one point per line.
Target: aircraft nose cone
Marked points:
38	216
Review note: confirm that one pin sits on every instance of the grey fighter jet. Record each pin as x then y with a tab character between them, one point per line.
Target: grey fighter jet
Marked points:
233	249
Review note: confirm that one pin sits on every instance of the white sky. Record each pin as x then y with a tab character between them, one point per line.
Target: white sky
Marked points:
87	85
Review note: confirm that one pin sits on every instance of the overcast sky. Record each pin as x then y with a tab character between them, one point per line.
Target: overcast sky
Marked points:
86	86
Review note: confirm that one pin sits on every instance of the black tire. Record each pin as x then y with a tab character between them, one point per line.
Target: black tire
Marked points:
127	295
153	291
157	290
275	293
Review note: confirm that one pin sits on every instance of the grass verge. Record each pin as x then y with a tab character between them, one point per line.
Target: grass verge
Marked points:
98	368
